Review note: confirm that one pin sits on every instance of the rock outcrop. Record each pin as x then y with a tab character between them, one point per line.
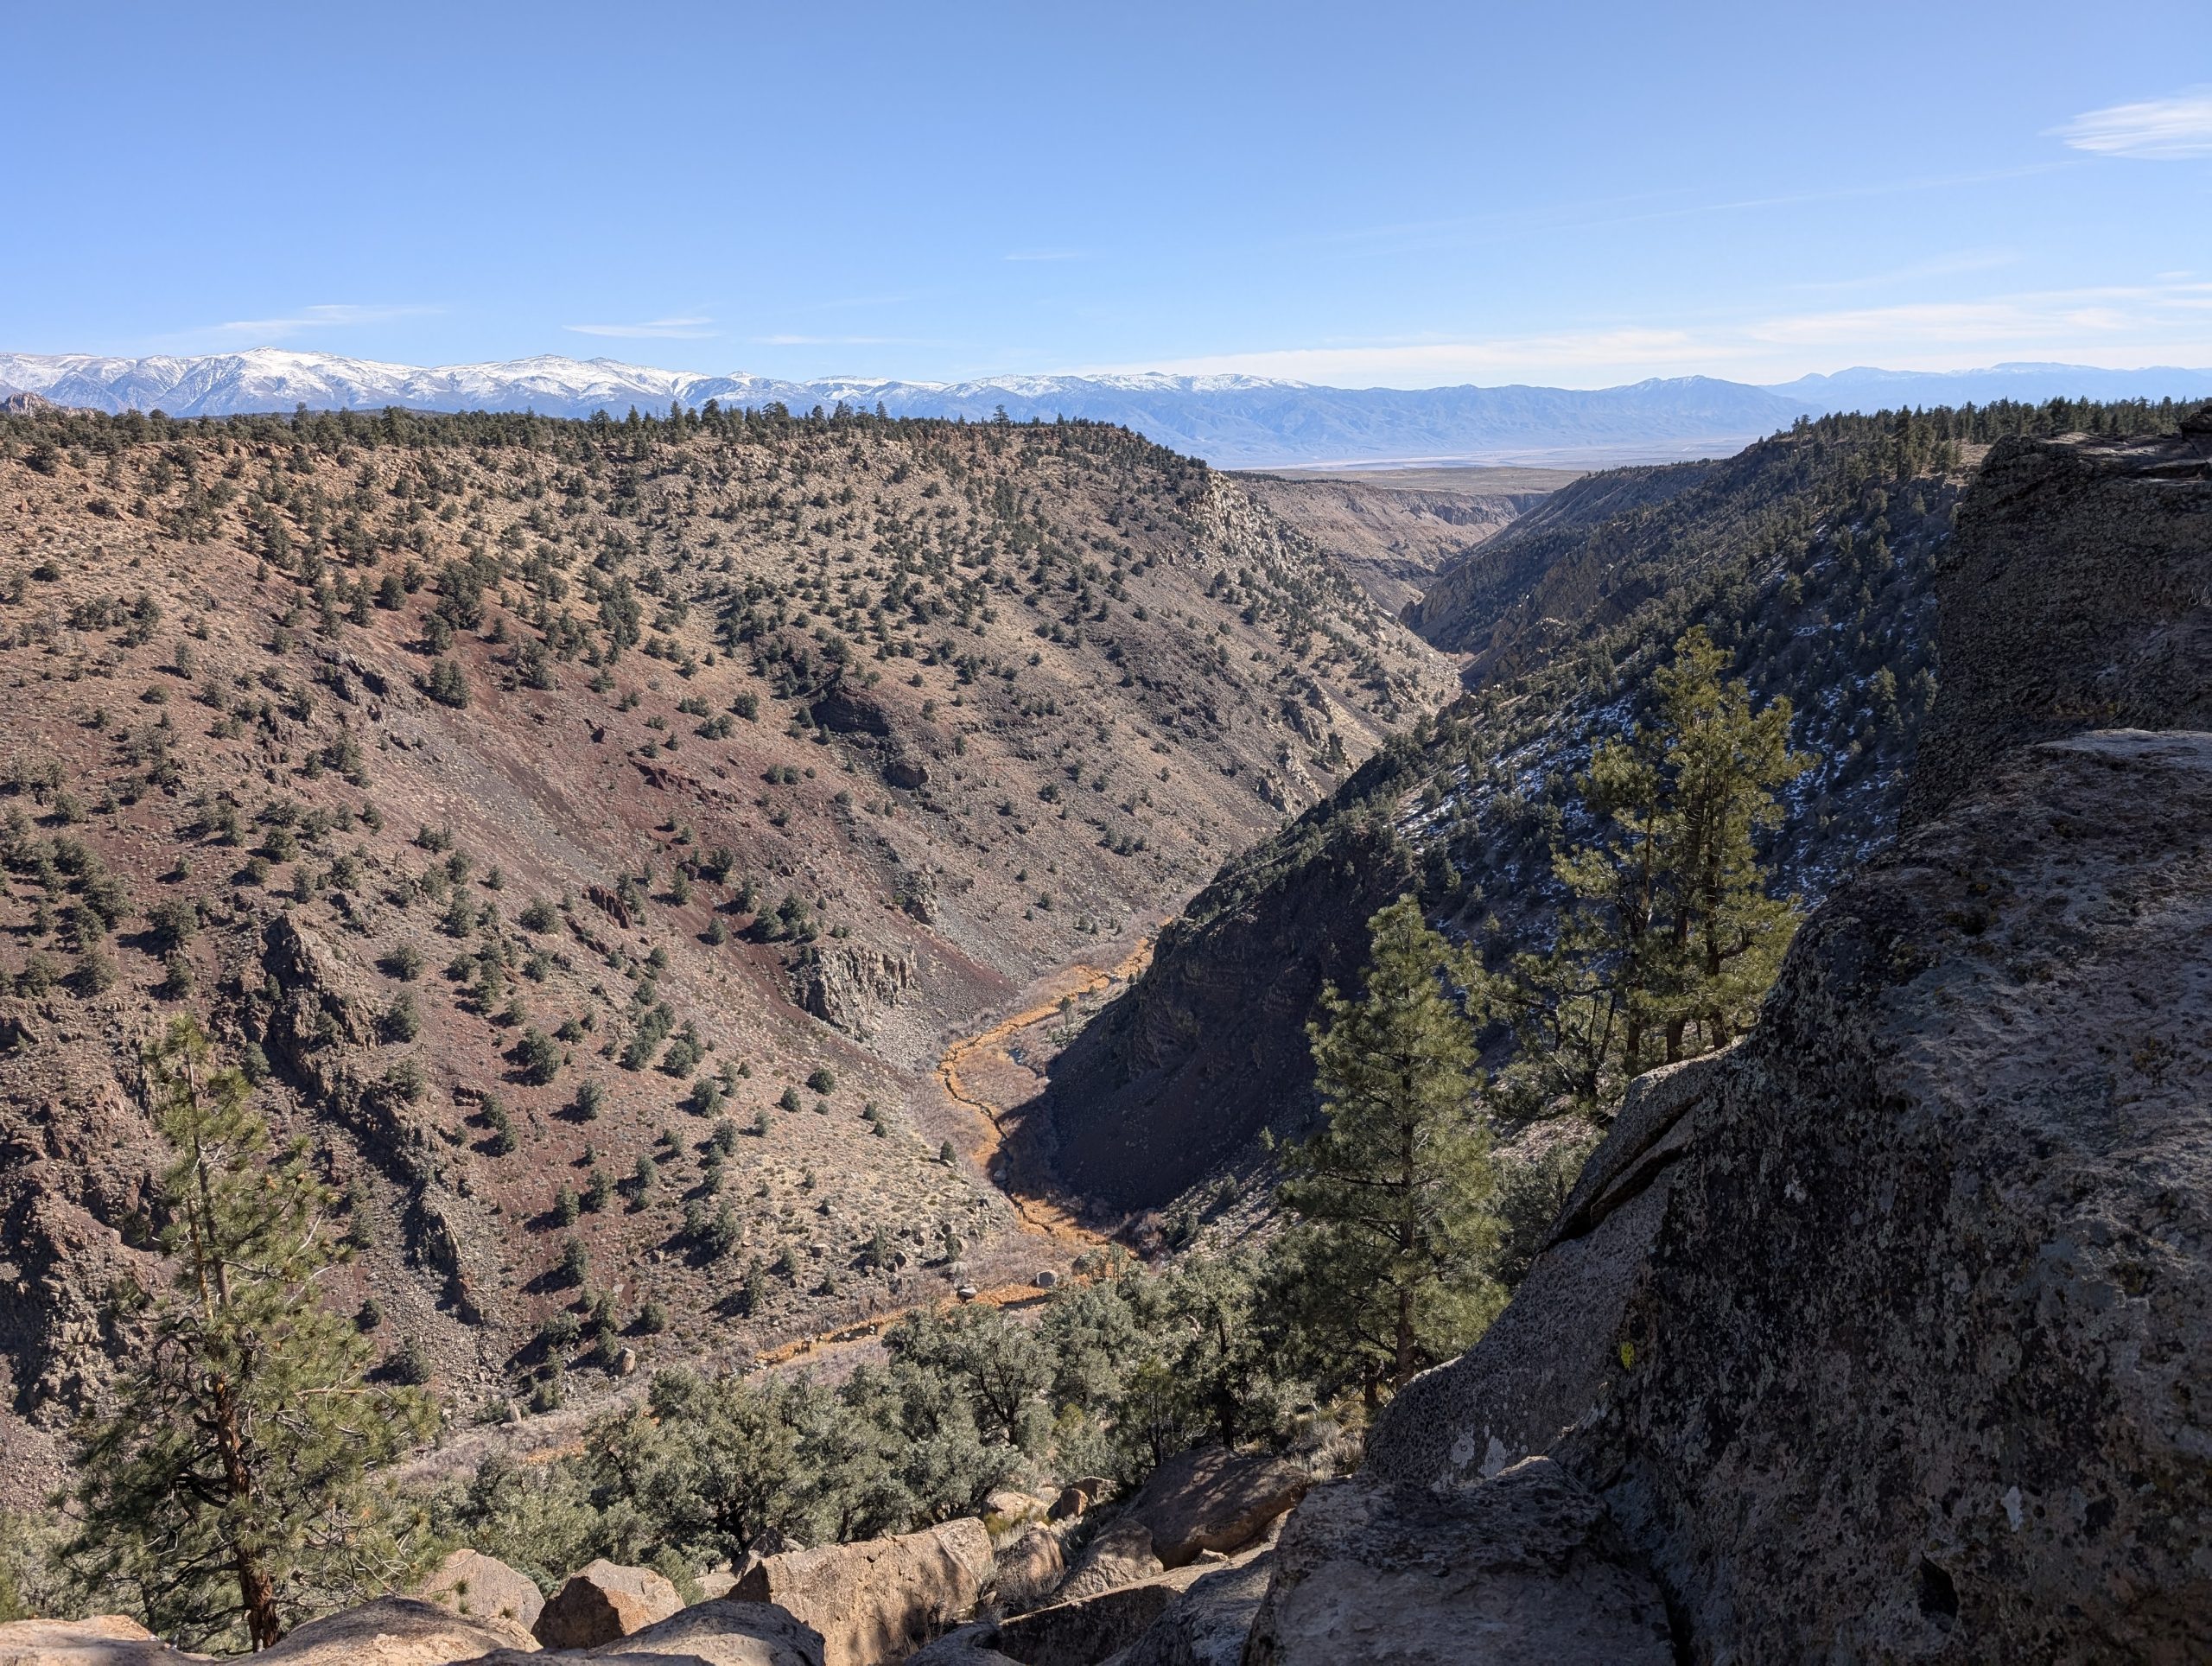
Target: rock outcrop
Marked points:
969	1646
846	984
471	1584
1202	1501
1071	1502
1006	1508
603	1603
395	1632
1196	1614
1027	1567
1523	1567
877	1601
720	1632
1210	1498
1206	1624
1085	1630
1911	1365
1121	1555
2072	597
103	1640
1207	1499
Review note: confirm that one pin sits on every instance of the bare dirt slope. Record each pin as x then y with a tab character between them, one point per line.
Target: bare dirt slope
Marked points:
593	833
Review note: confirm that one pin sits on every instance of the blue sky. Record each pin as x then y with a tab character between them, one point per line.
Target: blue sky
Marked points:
1357	195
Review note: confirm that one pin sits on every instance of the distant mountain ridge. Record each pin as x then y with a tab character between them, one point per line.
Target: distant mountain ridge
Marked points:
1236	422
1863	388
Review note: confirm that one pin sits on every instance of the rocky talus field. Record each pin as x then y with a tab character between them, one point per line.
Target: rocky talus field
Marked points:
594	834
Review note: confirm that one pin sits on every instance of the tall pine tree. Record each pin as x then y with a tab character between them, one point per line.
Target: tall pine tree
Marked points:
1387	1270
1667	938
1721	761
227	1485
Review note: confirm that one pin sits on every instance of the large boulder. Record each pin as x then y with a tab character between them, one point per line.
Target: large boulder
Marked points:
720	1633
1912	1363
1523	1569
1027	1567
970	1645
1212	1499
394	1632
1206	1624
1085	1630
1121	1555
1007	1509
470	1583
103	1640
877	1601
1071	1502
602	1603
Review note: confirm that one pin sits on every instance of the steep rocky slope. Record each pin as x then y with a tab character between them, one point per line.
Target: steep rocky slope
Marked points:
1575	546
2074	595
589	834
1809	557
1880	1335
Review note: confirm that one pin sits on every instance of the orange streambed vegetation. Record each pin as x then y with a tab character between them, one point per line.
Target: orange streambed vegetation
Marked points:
962	1060
958	1068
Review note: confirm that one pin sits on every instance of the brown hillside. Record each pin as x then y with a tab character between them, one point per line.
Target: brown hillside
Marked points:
688	759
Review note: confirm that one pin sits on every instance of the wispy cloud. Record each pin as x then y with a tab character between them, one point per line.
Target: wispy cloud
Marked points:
2174	129
1950	265
653	329
334	315
1555	219
2160	322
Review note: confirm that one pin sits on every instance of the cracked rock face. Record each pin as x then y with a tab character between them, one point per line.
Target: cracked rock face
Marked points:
603	1603
1549	1361
1913	1366
2073	597
1524	1568
1920	1362
877	1601
845	984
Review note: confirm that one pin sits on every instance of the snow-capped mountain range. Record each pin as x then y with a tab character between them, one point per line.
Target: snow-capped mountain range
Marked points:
1232	421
